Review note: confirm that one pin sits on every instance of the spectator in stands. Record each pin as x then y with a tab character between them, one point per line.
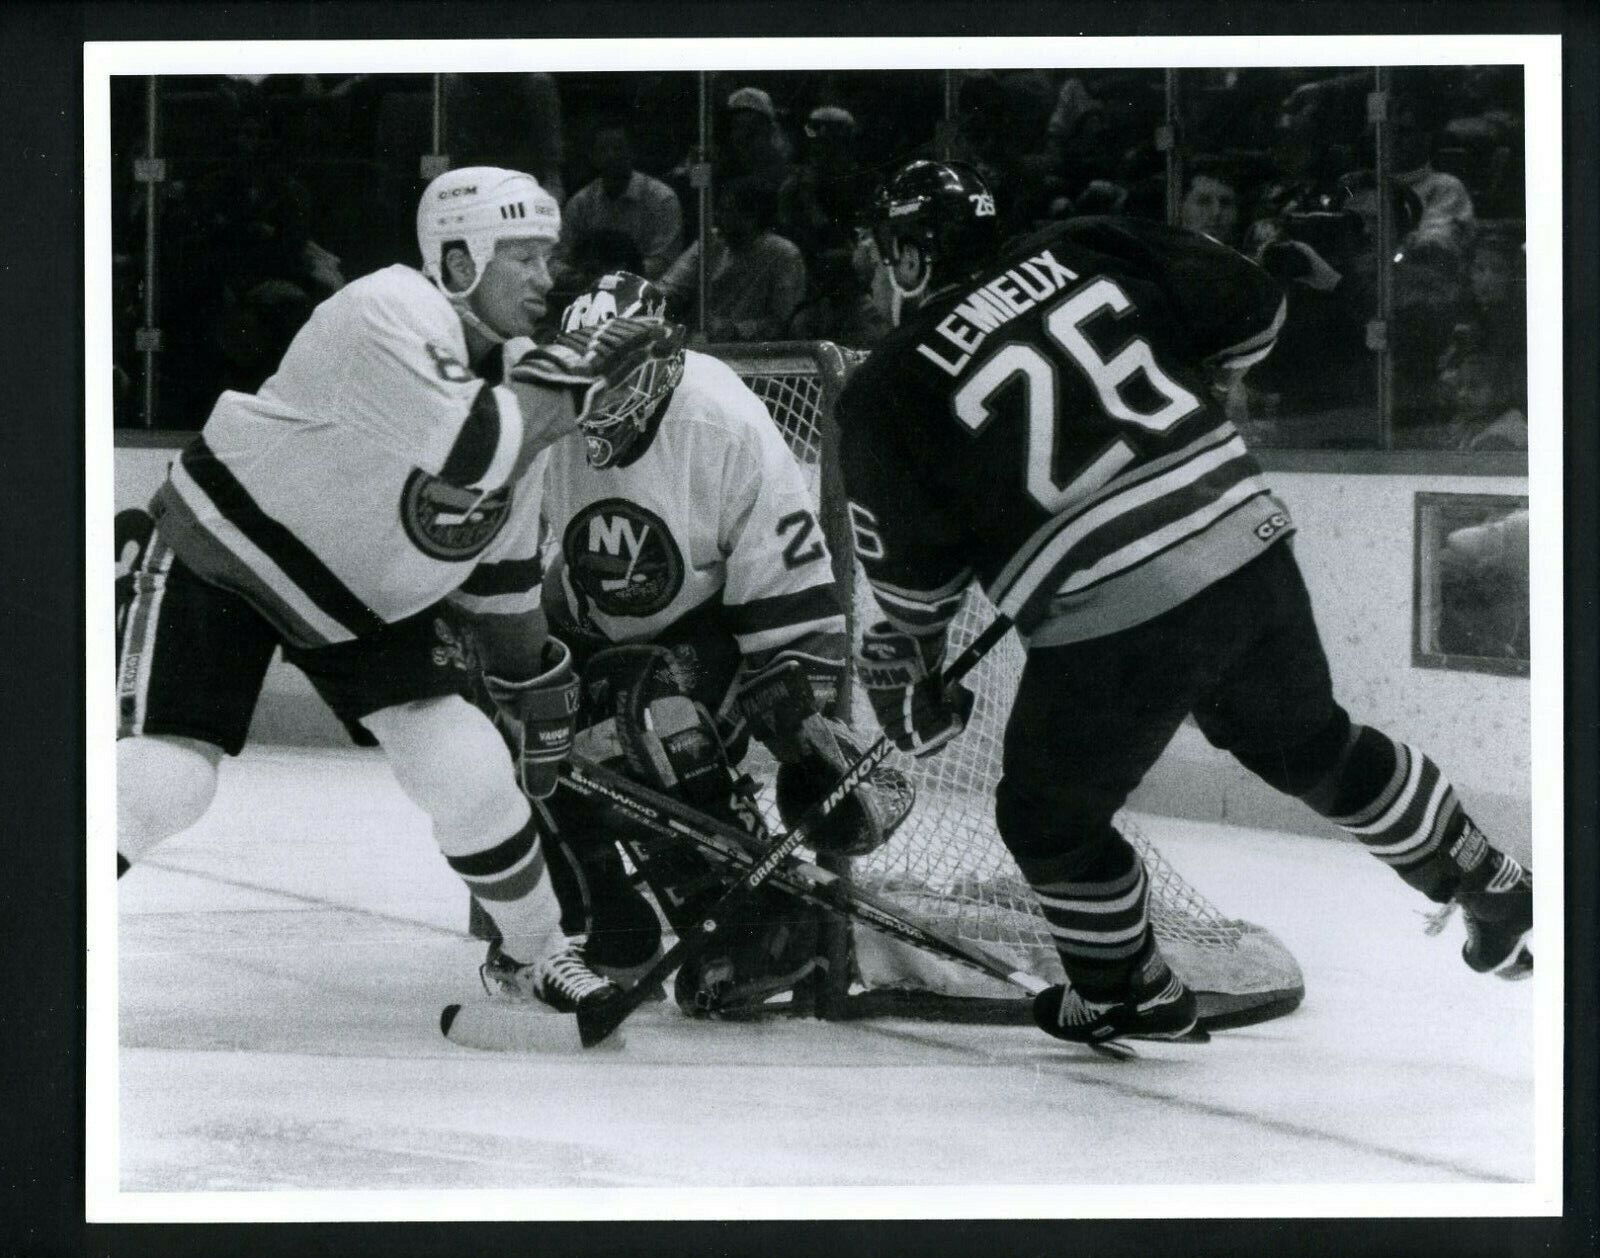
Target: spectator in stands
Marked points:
1447	221
509	120
1000	131
756	144
252	272
1101	196
818	201
1487	391
1497	285
1483	142
840	304
1211	200
1321	372
622	199
755	278
1075	133
600	252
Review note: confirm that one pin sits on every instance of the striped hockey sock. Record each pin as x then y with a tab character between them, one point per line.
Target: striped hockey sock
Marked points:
512	884
1097	908
1395	800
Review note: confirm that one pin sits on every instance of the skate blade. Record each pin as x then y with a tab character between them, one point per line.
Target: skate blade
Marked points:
1519	964
499	1026
1119	1048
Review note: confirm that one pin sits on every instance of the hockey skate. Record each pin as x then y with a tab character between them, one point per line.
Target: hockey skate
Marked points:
1497	906
1158	1007
757	966
562	979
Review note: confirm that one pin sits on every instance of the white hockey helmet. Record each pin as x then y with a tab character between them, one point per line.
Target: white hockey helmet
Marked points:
475	207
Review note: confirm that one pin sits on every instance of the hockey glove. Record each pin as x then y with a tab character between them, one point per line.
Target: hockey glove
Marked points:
595	363
917	711
542	713
814	753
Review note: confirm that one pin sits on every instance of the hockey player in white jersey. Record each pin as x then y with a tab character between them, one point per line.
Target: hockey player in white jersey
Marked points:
391	465
699	598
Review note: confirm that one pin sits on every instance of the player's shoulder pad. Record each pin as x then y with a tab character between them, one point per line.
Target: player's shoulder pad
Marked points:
712	392
400	297
888	376
1219	293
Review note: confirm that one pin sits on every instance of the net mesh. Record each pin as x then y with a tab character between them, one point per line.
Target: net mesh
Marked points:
946	865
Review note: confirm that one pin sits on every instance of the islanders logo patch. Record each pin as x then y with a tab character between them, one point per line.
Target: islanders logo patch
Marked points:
622	558
448	523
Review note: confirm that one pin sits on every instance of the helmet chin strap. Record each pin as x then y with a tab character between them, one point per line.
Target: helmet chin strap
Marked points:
909	296
471	318
462	305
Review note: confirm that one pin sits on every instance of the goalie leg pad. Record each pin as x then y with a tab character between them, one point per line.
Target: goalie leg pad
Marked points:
598	898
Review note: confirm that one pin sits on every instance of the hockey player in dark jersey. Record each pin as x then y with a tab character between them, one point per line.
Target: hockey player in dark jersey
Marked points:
1047	423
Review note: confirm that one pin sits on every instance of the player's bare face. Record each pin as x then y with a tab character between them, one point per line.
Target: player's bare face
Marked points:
511	296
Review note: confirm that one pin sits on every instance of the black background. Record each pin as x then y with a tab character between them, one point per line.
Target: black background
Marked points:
42	928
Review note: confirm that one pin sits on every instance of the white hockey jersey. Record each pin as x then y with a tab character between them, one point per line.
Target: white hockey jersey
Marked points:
714	517
373	474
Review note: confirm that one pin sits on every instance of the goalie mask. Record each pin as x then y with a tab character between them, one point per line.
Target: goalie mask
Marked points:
615	431
474	208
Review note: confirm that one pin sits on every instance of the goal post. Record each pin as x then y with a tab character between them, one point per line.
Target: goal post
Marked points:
946	865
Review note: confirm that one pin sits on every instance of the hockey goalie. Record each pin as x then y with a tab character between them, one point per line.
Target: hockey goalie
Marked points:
693	584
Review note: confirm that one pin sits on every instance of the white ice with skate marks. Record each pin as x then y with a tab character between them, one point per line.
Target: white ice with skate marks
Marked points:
282	968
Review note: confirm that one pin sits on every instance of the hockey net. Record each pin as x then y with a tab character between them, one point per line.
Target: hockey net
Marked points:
945	865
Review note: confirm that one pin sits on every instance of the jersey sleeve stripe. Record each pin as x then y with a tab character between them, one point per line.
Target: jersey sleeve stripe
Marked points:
509	459
507	576
955	587
771	639
476	444
515	604
802	607
284	568
923	619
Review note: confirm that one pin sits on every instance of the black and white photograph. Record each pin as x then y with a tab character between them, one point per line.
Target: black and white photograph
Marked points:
824	628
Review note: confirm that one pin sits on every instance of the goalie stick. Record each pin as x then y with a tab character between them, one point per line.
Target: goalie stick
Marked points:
595	1025
728	845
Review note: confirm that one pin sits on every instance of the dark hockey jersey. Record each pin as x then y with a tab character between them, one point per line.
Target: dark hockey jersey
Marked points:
1047	428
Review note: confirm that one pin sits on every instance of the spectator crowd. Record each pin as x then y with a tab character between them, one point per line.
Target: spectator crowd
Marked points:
278	190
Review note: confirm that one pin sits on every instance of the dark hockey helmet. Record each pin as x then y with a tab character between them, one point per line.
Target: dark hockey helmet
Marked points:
945	208
614	431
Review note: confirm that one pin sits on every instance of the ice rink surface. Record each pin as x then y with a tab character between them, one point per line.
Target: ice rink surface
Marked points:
283	965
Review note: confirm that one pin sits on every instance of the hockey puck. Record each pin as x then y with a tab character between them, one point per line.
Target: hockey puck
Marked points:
447	1018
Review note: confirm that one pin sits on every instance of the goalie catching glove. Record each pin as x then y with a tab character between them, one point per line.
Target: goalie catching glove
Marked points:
916	709
541	714
813	754
597	363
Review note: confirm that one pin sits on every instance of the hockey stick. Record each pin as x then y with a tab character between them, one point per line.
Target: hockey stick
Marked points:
726	844
594	1025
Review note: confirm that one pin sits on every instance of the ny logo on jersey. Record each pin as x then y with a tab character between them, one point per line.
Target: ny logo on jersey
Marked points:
623	558
982	204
